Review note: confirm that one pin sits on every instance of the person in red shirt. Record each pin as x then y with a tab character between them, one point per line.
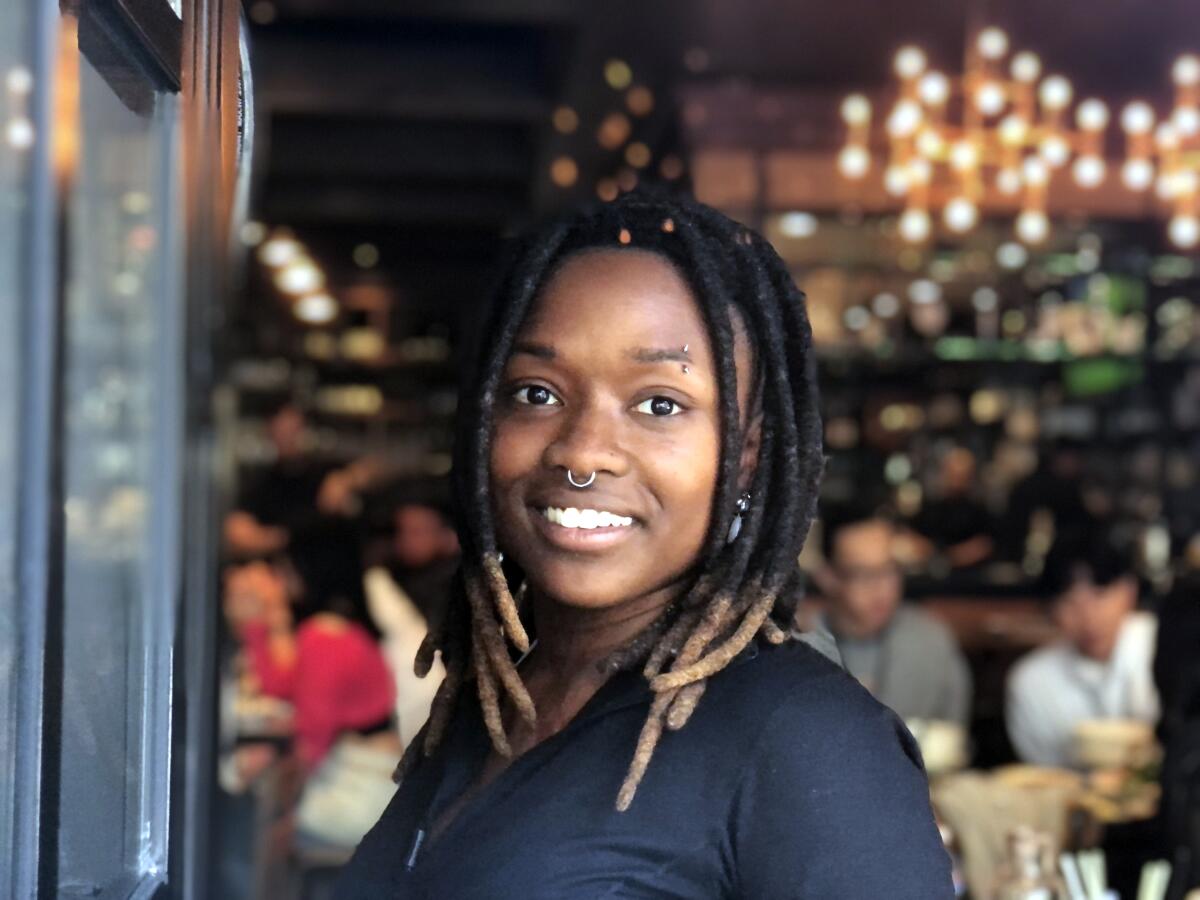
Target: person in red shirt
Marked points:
308	639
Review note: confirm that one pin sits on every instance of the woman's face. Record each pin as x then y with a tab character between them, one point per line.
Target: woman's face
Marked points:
611	373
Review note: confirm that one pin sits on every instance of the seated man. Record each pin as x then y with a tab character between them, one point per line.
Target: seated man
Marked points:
1101	667
905	657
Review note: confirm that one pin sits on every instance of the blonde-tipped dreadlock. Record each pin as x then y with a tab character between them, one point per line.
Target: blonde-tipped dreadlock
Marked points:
744	587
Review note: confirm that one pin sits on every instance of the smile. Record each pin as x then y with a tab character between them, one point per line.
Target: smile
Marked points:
588	519
583	530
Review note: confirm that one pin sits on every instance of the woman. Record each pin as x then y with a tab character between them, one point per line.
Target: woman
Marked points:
331	668
641	448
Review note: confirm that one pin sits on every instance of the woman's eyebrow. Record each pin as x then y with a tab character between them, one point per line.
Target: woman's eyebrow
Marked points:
530	348
659	354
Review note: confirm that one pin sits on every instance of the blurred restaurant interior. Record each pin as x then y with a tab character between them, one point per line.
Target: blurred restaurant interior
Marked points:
255	244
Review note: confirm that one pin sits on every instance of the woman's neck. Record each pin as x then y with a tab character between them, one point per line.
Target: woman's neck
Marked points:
572	642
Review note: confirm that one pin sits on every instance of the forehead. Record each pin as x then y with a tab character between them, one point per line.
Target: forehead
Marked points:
870	538
609	293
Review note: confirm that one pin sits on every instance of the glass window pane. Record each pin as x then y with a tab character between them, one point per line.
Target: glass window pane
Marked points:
121	365
16	148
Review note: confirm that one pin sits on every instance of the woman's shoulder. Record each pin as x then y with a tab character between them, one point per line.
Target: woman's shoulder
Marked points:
792	695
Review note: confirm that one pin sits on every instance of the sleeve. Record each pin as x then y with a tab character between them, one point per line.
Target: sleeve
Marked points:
958	703
837	806
274	678
1027	725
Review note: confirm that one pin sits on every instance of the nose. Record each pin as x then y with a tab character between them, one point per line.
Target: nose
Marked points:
588	440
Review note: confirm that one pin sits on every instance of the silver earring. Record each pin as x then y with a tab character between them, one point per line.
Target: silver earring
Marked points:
580	484
735	527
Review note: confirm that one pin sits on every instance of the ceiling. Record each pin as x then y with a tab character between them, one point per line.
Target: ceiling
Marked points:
425	127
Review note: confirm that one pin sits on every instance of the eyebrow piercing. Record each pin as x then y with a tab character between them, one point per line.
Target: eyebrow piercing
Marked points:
685	370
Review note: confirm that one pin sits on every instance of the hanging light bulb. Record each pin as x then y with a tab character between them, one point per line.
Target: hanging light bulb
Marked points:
1055	150
856	110
960	214
895	180
905	118
910	62
1055	92
992	43
1137	117
1008	181
1184	231
1092	115
1186	70
914	225
1137	174
1032	226
934	88
1088	171
990	98
854	161
1026	67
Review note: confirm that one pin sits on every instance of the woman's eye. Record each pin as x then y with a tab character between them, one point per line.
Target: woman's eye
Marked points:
535	395
659	406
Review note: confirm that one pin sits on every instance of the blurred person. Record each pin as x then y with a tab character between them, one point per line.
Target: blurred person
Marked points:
295	491
1101	666
1177	678
403	595
640	438
953	525
1056	485
304	626
905	657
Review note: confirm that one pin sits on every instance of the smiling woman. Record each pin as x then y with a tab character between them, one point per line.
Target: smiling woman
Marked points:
641	448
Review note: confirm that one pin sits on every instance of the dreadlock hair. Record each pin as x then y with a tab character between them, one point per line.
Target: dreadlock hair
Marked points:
742	588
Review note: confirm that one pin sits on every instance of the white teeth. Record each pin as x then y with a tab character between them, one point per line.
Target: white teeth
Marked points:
586	518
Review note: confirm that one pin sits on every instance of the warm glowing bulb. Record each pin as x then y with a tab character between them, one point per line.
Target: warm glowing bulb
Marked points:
1166	137
1138	174
1026	67
315	309
798	224
895	180
905	118
1034	171
1184	230
914	225
19	133
1186	120
960	214
910	62
1088	171
963	155
1186	70
934	88
1137	117
930	143
856	110
1055	150
19	80
1008	181
992	43
1032	226
1092	115
278	251
920	171
1012	130
854	161
990	99
1055	92
300	276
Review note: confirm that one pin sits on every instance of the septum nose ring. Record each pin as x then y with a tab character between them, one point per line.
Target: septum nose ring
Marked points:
580	484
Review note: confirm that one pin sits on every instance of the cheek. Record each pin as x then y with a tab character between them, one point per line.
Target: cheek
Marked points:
682	468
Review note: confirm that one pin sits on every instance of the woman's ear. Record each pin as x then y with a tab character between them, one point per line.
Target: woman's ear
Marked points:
750	446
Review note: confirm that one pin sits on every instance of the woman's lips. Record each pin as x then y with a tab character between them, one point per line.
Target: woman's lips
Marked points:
581	540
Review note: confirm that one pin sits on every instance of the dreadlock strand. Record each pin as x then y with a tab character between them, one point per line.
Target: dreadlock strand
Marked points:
506	606
491	643
489	697
684	704
719	658
647	741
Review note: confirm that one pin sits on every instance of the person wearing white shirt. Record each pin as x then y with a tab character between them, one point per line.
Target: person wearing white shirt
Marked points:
1100	668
